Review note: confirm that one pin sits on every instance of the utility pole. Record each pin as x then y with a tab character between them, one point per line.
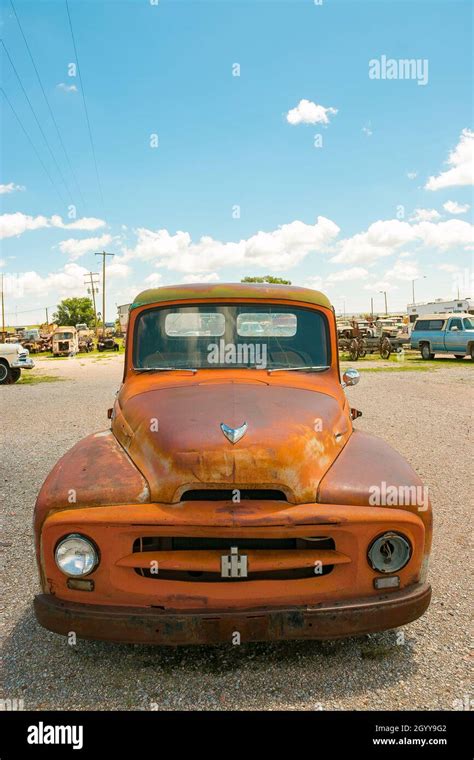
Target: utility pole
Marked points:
103	254
385	294
93	289
47	317
372	308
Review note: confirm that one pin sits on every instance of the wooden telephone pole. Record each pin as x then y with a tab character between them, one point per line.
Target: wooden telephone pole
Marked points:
93	289
103	254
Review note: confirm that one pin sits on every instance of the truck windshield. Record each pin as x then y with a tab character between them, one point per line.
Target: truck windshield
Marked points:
207	336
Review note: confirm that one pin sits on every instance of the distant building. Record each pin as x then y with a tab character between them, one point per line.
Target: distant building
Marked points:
440	307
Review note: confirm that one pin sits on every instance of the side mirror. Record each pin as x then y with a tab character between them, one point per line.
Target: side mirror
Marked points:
350	377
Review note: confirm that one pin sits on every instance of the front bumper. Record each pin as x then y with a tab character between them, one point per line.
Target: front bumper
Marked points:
25	364
152	626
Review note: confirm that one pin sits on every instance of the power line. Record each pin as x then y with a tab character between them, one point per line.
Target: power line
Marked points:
37	120
33	146
48	104
85	108
28	311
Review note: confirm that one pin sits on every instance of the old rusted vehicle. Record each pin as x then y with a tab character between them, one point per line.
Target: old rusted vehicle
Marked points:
65	341
85	338
349	338
107	344
232	498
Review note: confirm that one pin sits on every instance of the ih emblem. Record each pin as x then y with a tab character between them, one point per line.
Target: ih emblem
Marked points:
234	434
234	565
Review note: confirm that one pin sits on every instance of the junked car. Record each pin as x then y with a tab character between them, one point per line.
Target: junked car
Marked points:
233	493
65	341
13	358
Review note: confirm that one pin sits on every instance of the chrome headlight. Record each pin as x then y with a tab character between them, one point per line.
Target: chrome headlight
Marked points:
76	555
389	552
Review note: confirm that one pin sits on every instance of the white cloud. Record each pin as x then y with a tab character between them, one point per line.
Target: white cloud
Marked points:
66	87
278	250
117	268
10	188
381	285
67	281
315	282
88	223
355	273
211	277
383	238
453	232
154	279
461	162
18	223
403	270
3	263
412	175
76	248
307	112
453	207
448	268
425	215
367	129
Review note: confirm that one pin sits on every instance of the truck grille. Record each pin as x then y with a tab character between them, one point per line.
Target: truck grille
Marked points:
164	543
198	558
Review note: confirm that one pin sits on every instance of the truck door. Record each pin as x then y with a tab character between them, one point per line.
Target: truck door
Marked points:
455	337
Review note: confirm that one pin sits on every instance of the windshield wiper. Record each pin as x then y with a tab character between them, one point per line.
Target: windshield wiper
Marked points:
165	369
295	369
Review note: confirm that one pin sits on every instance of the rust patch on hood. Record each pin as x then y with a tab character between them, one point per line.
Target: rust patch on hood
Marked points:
174	437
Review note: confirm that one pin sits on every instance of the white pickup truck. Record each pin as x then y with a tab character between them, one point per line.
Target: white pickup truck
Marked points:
13	358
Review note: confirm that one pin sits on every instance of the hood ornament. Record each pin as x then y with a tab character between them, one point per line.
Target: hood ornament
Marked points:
234	434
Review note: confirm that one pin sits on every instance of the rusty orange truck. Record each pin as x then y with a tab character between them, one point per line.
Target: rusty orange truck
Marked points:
232	493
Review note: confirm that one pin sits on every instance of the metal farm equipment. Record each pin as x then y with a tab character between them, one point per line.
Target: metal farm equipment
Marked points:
358	342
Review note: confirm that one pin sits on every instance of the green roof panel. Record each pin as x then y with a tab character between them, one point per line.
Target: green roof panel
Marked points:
237	290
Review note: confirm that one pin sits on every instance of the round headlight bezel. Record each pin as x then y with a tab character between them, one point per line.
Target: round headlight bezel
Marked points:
91	544
391	534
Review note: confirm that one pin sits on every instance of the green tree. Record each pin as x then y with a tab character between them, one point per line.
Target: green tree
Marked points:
74	311
268	278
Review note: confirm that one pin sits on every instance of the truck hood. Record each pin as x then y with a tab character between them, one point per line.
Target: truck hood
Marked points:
174	436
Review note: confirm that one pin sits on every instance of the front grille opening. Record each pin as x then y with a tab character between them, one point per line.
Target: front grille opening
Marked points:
226	494
192	543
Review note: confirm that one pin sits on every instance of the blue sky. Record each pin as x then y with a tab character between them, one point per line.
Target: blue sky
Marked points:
353	214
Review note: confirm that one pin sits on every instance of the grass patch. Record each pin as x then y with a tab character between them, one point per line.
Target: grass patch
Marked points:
412	362
399	368
28	379
91	355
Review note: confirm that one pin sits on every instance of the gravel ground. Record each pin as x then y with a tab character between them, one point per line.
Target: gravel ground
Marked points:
427	416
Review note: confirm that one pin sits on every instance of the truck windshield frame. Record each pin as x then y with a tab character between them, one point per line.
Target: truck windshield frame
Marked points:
287	335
